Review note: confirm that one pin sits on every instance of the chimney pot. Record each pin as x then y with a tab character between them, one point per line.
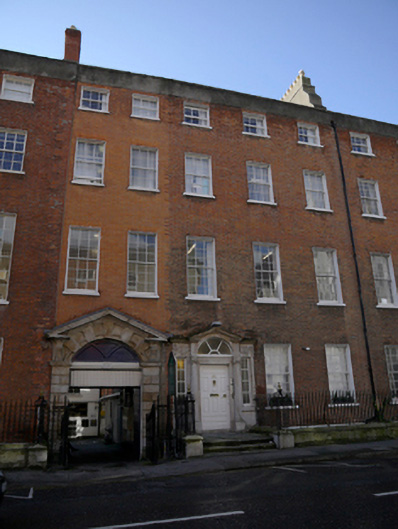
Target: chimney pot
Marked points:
73	38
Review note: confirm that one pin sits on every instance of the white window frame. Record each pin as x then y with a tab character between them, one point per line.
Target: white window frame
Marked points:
14	152
318	277
202	119
153	293
1	349
191	176
323	192
83	291
391	352
312	135
10	219
265	249
8	92
262	183
138	110
390	280
347	378
375	199
104	103
85	179
258	123
367	145
210	268
181	376
247	394
273	385
146	170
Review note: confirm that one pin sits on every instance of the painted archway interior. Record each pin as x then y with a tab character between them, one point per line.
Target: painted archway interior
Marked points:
105	363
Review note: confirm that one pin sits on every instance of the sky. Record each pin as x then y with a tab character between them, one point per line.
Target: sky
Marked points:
349	48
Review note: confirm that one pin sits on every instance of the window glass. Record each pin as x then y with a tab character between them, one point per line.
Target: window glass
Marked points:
144	168
141	276
83	260
201	267
12	150
198	175
7	230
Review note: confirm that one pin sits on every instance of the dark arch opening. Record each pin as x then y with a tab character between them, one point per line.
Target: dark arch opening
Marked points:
106	350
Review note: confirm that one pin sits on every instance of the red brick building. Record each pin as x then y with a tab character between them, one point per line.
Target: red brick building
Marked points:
253	239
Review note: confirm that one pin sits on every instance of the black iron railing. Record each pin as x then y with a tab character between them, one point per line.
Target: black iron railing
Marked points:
325	408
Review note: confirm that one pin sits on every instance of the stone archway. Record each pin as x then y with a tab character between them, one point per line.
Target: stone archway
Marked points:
78	336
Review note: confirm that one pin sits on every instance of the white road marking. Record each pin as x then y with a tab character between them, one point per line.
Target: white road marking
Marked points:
386	493
29	497
291	469
171	520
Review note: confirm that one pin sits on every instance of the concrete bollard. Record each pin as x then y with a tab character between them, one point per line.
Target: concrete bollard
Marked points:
193	446
284	439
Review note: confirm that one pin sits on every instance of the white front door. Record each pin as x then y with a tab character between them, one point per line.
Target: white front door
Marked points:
214	397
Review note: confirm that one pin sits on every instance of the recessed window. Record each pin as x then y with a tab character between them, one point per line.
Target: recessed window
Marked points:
144	169
15	88
254	124
7	230
146	107
201	268
245	379
12	150
267	273
198	175
370	198
383	274
316	191
279	375
94	99
141	265
391	352
181	386
308	134
327	276
259	180
341	382
89	162
196	115
360	144
82	261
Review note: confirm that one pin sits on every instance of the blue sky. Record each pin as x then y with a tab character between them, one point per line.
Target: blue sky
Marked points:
349	48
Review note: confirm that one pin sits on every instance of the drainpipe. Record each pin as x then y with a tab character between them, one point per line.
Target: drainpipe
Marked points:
354	253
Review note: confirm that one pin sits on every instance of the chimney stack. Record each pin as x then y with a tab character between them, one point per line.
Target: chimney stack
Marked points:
73	39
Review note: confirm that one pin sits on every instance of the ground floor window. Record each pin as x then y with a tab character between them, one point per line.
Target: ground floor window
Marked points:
392	367
341	382
180	377
279	374
245	376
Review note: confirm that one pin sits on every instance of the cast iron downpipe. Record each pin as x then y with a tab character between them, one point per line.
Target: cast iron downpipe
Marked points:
354	253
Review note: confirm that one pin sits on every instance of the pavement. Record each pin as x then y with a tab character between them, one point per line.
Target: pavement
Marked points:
209	463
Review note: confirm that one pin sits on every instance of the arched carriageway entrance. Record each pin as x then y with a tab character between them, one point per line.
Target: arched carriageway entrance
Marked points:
104	398
109	368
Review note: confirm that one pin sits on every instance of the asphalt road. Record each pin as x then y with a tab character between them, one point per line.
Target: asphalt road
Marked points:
351	494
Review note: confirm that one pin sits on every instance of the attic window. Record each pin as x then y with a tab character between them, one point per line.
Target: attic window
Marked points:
17	88
308	134
360	144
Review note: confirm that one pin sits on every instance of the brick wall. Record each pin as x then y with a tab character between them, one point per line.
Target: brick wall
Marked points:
37	199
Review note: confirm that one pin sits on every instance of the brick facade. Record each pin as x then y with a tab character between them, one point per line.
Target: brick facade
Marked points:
38	300
37	199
